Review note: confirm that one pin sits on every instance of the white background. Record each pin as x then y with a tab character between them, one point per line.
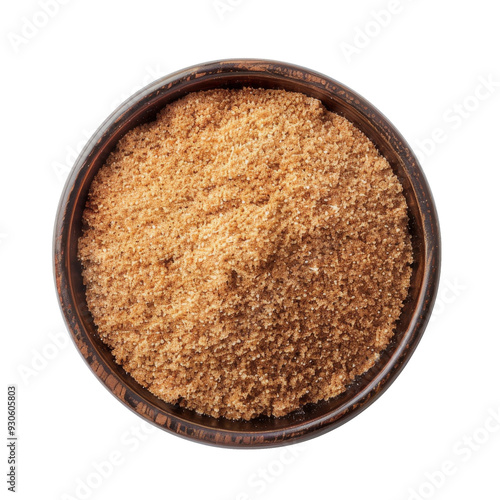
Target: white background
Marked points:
422	69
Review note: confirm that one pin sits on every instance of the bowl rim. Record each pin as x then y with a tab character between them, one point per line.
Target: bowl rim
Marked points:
195	430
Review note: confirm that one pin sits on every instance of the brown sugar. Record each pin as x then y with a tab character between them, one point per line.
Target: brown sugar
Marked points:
246	253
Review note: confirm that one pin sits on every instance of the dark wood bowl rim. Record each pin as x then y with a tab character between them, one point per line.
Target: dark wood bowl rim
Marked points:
191	426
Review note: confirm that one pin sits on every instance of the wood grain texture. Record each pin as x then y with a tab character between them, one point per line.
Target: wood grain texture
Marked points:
313	419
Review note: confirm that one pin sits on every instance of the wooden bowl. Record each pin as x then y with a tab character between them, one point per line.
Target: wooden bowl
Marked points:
313	419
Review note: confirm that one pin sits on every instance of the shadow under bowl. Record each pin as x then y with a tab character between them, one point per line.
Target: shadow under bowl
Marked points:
313	419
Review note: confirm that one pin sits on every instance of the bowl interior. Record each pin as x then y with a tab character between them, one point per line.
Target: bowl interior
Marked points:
142	108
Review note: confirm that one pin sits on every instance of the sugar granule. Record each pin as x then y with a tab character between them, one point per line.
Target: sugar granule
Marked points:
246	253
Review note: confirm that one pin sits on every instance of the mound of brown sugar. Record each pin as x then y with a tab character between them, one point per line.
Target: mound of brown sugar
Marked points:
246	253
